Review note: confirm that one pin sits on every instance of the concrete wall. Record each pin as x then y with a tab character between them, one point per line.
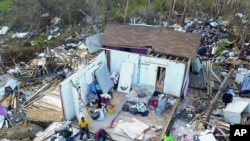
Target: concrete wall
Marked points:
145	70
69	98
173	77
119	57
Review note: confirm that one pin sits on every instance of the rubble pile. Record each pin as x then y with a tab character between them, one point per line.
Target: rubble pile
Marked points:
222	49
26	81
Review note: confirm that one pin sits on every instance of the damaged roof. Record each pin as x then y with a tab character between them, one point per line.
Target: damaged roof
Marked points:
162	40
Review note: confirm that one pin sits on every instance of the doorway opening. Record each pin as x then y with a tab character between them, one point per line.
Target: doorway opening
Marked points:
160	77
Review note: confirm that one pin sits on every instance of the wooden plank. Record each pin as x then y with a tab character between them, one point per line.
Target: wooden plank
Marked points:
55	101
176	59
6	101
48	132
29	99
44	115
60	91
47	106
168	119
15	101
218	95
134	129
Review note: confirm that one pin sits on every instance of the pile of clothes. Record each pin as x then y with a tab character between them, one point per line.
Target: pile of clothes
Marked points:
136	108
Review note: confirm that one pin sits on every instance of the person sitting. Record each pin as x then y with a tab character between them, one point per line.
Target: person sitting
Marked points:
83	125
101	135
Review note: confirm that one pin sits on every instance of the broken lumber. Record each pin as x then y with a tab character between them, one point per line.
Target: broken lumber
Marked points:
218	95
169	118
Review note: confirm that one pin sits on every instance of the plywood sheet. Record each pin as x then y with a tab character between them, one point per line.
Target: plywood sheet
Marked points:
47	132
119	134
44	115
103	78
134	129
56	101
125	79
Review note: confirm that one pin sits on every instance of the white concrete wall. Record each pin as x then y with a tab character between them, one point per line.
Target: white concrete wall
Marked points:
173	77
68	98
119	57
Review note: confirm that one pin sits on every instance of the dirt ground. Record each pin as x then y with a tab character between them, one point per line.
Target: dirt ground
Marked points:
20	132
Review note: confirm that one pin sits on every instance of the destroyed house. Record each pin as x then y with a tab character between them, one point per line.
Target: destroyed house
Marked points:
162	72
143	39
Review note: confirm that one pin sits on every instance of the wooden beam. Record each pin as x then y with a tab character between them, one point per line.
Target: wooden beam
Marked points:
218	95
176	59
169	118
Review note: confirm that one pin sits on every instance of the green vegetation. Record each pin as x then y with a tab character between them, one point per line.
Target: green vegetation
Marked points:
39	41
221	46
4	5
25	15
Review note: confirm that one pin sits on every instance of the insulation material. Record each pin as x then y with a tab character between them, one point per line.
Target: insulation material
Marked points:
125	80
103	78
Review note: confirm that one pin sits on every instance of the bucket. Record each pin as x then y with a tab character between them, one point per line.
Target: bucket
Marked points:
110	108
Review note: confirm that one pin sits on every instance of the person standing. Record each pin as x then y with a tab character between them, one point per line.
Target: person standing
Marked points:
83	125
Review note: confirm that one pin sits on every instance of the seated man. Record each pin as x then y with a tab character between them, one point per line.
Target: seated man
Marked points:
83	125
101	135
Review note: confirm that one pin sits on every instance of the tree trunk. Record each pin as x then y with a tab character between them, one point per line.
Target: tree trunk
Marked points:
184	12
217	7
171	9
235	7
218	95
125	13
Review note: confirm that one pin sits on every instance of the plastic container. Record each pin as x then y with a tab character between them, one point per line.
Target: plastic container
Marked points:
162	101
111	108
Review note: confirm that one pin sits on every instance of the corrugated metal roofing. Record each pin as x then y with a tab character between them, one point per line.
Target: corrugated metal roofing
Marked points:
162	40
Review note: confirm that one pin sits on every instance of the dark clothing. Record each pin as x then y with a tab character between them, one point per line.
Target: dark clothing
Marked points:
84	131
101	135
227	98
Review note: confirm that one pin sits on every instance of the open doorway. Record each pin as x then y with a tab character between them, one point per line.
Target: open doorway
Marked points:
160	79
